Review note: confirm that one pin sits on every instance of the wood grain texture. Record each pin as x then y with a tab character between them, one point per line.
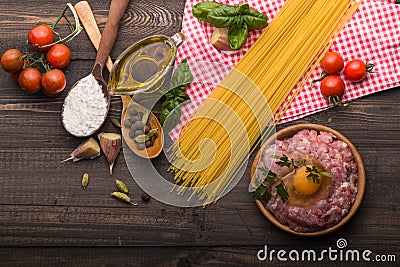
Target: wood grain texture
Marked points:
47	217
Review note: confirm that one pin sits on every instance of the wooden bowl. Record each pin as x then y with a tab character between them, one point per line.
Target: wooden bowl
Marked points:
150	152
289	132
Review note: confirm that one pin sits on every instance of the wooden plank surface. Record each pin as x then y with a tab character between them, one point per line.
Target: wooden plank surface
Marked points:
46	216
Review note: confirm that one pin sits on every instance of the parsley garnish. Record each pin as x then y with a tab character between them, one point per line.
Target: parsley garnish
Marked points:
283	160
314	173
263	192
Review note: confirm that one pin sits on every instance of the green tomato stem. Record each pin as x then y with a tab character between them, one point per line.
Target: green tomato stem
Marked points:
369	66
74	30
336	101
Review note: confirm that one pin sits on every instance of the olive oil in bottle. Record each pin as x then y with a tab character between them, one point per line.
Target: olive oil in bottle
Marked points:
143	66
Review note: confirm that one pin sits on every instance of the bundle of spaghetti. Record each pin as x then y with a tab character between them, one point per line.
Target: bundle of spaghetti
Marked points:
218	139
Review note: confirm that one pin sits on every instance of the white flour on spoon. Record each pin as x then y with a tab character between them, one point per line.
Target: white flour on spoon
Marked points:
84	107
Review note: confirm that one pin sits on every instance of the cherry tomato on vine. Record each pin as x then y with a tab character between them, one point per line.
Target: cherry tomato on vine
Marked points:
40	36
356	70
11	61
14	75
332	87
53	82
30	79
58	56
332	63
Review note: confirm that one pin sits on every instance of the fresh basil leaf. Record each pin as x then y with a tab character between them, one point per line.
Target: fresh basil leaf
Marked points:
170	105
169	94
182	95
201	10
243	9
255	19
165	110
173	118
182	75
176	95
237	34
223	16
178	92
175	102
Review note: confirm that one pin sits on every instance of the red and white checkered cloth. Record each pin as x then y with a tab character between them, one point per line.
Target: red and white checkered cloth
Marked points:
372	34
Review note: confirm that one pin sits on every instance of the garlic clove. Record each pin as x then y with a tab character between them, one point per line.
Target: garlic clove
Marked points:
110	144
219	39
88	149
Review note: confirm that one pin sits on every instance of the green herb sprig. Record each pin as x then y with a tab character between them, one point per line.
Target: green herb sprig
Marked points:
314	172
237	19
263	192
176	95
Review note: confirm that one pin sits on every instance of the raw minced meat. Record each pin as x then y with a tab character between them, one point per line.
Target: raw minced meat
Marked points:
337	158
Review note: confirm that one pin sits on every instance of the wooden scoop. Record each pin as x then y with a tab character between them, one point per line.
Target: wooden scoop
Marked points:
86	16
117	10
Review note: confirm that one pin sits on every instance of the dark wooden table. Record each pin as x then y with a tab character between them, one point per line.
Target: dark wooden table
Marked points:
46	219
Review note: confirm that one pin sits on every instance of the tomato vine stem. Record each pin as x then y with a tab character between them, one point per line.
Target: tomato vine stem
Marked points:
75	30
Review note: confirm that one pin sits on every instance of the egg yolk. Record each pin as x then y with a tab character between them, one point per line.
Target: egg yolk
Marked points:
302	185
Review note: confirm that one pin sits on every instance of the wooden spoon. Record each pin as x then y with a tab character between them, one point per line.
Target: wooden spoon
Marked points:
86	16
117	10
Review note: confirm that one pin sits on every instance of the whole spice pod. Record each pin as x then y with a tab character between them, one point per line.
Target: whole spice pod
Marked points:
85	180
121	186
123	197
88	149
110	143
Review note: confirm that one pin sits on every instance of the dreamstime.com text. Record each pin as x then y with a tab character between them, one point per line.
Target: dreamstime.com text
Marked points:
339	253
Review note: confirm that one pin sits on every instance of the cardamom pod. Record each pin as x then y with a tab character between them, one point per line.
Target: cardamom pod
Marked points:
116	122
142	138
85	180
123	197
121	186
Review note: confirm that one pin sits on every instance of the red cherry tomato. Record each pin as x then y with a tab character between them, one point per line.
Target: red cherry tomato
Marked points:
58	56
356	70
332	63
332	87
14	75
53	82
11	61
39	36
30	79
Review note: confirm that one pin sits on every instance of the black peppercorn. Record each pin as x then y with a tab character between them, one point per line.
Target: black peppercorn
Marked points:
145	197
132	133
148	144
132	111
127	123
138	132
135	119
139	125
